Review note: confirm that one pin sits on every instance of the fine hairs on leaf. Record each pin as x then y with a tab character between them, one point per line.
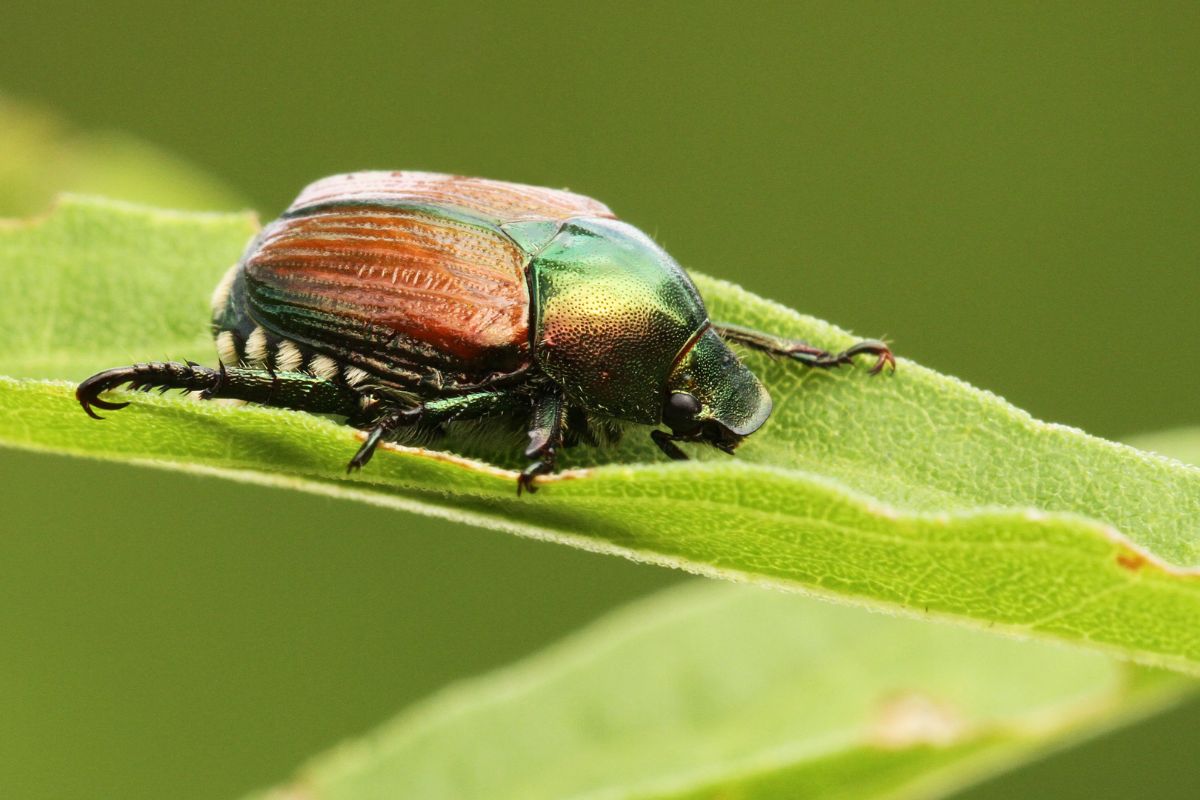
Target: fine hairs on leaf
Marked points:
916	494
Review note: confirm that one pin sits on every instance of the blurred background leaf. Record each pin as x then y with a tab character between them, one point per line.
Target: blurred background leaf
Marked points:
1181	443
42	155
714	691
1007	191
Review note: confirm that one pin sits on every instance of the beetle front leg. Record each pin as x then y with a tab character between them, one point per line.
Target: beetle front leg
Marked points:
283	389
804	352
545	438
434	412
666	443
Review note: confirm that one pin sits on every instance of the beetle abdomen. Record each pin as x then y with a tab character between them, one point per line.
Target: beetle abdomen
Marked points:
417	278
394	292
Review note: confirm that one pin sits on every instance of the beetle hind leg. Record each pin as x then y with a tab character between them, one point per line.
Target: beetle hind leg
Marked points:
287	389
807	354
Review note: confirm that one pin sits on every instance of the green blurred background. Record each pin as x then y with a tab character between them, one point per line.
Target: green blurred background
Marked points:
1010	193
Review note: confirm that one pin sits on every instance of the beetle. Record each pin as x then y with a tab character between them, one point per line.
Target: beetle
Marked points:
406	300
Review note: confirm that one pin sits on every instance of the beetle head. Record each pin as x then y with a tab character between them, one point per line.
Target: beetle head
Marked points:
712	397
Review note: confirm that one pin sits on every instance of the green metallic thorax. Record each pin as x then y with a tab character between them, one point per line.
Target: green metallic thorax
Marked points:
612	314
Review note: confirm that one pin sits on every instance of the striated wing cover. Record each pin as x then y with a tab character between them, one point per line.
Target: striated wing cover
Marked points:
496	201
404	293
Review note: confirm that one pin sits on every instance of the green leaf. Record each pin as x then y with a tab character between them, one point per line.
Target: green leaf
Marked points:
914	492
98	282
719	691
715	691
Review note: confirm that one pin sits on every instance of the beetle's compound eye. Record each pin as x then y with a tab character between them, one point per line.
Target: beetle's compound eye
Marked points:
679	412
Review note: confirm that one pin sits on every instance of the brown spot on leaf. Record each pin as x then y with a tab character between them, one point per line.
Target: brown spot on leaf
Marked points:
1131	560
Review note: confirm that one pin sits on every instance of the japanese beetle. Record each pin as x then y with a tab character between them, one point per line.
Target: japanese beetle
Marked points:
398	299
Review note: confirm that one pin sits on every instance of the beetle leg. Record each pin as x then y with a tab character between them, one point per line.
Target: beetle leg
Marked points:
288	390
433	412
385	426
546	425
666	443
579	429
804	352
